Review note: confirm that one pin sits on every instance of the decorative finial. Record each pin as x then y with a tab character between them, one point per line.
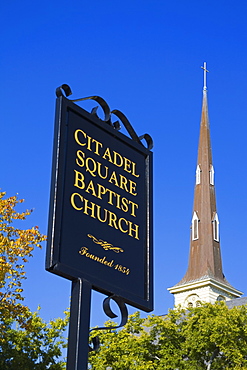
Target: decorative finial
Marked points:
205	76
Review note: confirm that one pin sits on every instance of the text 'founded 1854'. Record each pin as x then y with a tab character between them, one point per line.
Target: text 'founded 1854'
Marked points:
100	227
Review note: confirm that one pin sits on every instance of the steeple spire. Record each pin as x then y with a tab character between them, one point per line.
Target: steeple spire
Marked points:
205	255
204	277
205	76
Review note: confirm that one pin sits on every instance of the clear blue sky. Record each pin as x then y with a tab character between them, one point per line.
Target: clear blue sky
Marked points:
143	58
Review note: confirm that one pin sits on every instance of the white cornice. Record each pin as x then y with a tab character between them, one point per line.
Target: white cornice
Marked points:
202	283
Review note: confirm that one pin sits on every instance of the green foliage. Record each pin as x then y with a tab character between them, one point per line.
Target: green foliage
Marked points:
207	337
26	341
128	348
37	347
210	337
215	331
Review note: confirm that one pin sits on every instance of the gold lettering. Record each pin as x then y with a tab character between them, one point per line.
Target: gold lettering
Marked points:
79	160
133	169
98	214
127	164
88	169
77	139
110	196
79	178
113	179
99	171
91	187
101	191
112	220
104	215
83	250
97	145
86	207
135	229
89	143
134	206
107	155
124	206
115	156
110	264
132	187
123	183
73	201
120	225
118	201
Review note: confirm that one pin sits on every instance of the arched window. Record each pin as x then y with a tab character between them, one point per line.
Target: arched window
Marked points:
198	175
192	300
215	223
221	298
195	228
211	175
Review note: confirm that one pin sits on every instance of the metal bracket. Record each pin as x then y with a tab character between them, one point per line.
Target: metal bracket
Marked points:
65	90
108	311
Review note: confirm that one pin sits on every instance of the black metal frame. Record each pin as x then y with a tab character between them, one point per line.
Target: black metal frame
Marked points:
53	262
81	285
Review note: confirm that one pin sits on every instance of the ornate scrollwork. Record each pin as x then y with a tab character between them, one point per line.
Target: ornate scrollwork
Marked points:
108	311
63	88
105	245
66	91
131	130
102	103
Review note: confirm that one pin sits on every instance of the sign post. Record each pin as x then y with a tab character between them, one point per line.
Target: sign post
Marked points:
100	220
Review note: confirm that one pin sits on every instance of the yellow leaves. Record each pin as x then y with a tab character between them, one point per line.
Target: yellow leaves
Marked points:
7	209
16	246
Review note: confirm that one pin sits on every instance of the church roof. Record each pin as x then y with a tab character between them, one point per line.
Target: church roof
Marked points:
237	302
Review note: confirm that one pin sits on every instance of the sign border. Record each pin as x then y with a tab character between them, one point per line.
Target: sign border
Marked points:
56	207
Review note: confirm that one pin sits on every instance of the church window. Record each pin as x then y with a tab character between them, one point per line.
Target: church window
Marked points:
198	175
192	300
195	228
198	303
211	175
215	222
221	298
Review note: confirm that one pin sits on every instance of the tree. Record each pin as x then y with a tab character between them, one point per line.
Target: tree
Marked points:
206	337
16	246
38	346
26	341
128	348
